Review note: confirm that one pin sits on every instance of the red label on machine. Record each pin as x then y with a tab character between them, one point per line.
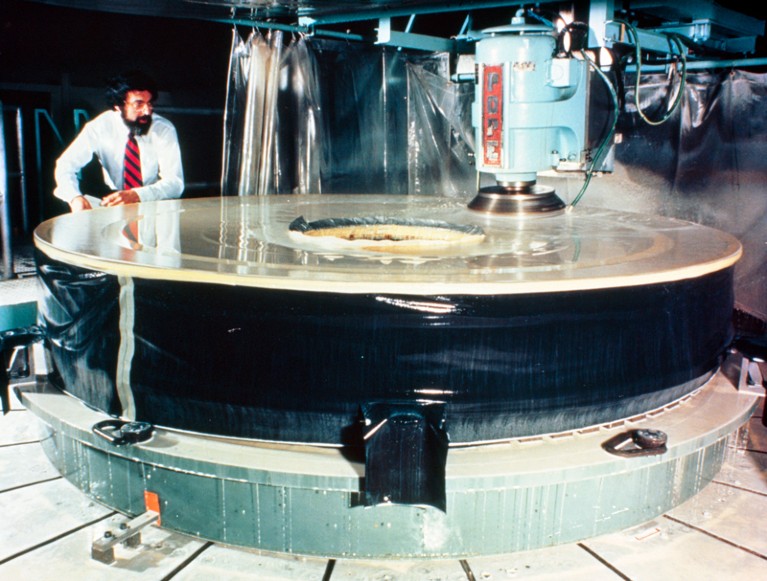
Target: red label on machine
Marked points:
492	114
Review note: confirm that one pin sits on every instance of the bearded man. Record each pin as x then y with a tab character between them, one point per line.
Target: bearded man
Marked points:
137	149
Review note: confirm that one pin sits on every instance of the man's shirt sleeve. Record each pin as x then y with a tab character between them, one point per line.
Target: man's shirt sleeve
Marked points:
69	164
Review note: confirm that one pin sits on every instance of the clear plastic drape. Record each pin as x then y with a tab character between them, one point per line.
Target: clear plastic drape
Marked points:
707	164
355	118
249	122
344	118
233	114
440	136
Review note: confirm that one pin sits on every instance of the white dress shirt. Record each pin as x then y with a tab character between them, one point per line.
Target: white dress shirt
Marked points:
106	136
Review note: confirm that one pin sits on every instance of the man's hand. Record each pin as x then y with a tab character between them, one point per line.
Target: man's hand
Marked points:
80	203
120	198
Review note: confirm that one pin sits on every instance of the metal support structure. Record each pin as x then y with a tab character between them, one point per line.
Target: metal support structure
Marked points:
388	37
384	33
5	218
405	453
739	27
704	32
702	23
127	532
704	65
14	358
649	41
42	113
22	171
602	31
600	11
295	491
79	118
300	29
404	10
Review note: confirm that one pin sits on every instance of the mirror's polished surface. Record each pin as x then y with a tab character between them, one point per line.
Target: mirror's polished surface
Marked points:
247	242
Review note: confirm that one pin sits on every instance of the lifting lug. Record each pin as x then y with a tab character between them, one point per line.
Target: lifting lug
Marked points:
635	443
119	432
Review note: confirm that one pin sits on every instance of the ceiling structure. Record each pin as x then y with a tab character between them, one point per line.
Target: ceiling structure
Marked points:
723	27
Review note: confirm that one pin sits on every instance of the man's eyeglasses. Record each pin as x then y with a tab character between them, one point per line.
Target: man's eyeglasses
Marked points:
139	105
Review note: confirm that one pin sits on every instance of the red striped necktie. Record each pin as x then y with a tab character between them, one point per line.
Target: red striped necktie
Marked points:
132	170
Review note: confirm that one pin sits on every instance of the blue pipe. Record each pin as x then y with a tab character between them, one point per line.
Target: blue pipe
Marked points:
709	64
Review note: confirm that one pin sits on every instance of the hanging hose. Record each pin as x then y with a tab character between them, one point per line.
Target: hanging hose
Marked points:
608	136
673	39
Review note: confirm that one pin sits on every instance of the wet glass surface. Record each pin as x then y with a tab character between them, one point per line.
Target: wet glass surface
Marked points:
247	241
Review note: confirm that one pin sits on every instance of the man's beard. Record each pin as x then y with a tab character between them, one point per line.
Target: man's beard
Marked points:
140	126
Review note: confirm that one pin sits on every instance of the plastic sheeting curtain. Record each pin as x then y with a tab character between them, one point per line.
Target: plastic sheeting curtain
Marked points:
250	114
323	116
708	165
440	136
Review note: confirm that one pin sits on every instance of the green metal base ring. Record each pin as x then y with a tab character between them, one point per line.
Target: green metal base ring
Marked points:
501	498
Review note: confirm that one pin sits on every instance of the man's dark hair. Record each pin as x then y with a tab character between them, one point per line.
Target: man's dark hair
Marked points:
118	87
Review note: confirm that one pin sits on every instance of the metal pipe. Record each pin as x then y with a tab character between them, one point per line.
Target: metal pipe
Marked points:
189	111
298	29
22	172
200	185
340	35
39	154
80	116
466	26
709	64
5	219
261	24
410	23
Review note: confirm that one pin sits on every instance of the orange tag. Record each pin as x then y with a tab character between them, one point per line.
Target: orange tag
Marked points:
152	502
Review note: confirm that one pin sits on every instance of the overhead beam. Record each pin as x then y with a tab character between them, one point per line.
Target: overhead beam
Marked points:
407	9
388	37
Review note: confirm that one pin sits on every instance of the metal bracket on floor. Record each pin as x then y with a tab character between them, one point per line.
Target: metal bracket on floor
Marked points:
127	532
14	358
